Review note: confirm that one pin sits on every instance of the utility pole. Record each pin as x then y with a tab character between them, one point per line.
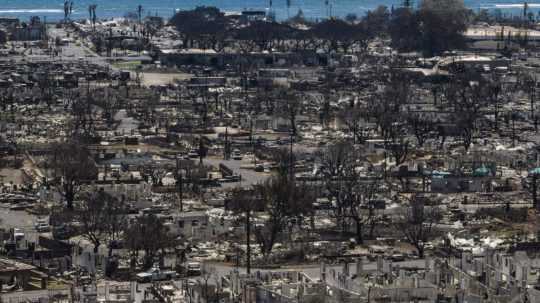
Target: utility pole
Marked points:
513	129
248	235
179	183
251	140
291	157
534	190
226	149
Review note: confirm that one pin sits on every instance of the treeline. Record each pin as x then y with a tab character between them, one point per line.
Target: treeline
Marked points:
436	26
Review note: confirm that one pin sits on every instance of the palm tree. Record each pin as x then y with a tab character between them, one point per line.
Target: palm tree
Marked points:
326	3
139	13
92	14
288	7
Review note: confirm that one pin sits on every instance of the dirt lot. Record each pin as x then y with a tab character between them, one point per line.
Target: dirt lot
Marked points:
162	78
9	175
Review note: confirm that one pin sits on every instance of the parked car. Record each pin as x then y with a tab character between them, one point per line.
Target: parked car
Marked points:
42	225
63	231
193	268
43	228
155	274
236	155
193	154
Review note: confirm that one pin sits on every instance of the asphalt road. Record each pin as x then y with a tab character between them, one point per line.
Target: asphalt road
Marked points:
74	51
249	176
19	219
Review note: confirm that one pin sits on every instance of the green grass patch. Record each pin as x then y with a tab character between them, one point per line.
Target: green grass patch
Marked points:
127	65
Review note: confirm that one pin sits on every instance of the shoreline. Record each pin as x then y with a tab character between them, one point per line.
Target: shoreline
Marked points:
311	12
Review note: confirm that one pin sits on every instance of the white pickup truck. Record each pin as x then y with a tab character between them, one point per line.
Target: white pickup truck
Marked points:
155	274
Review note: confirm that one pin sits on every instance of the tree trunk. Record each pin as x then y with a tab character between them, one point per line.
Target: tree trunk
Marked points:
293	124
420	249
372	222
531	98
443	139
96	249
70	196
420	139
372	229
359	237
513	132
496	117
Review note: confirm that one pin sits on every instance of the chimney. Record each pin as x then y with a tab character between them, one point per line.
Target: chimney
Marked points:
359	267
428	264
346	268
323	271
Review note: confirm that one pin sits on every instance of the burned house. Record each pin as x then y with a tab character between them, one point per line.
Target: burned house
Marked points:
194	225
474	178
34	30
18	275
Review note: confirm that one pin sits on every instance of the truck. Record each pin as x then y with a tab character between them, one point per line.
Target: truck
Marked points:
42	225
155	274
236	155
193	268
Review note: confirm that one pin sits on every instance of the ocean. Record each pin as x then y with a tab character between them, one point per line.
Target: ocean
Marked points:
313	9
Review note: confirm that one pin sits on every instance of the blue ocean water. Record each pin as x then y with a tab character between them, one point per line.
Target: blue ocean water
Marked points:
313	9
